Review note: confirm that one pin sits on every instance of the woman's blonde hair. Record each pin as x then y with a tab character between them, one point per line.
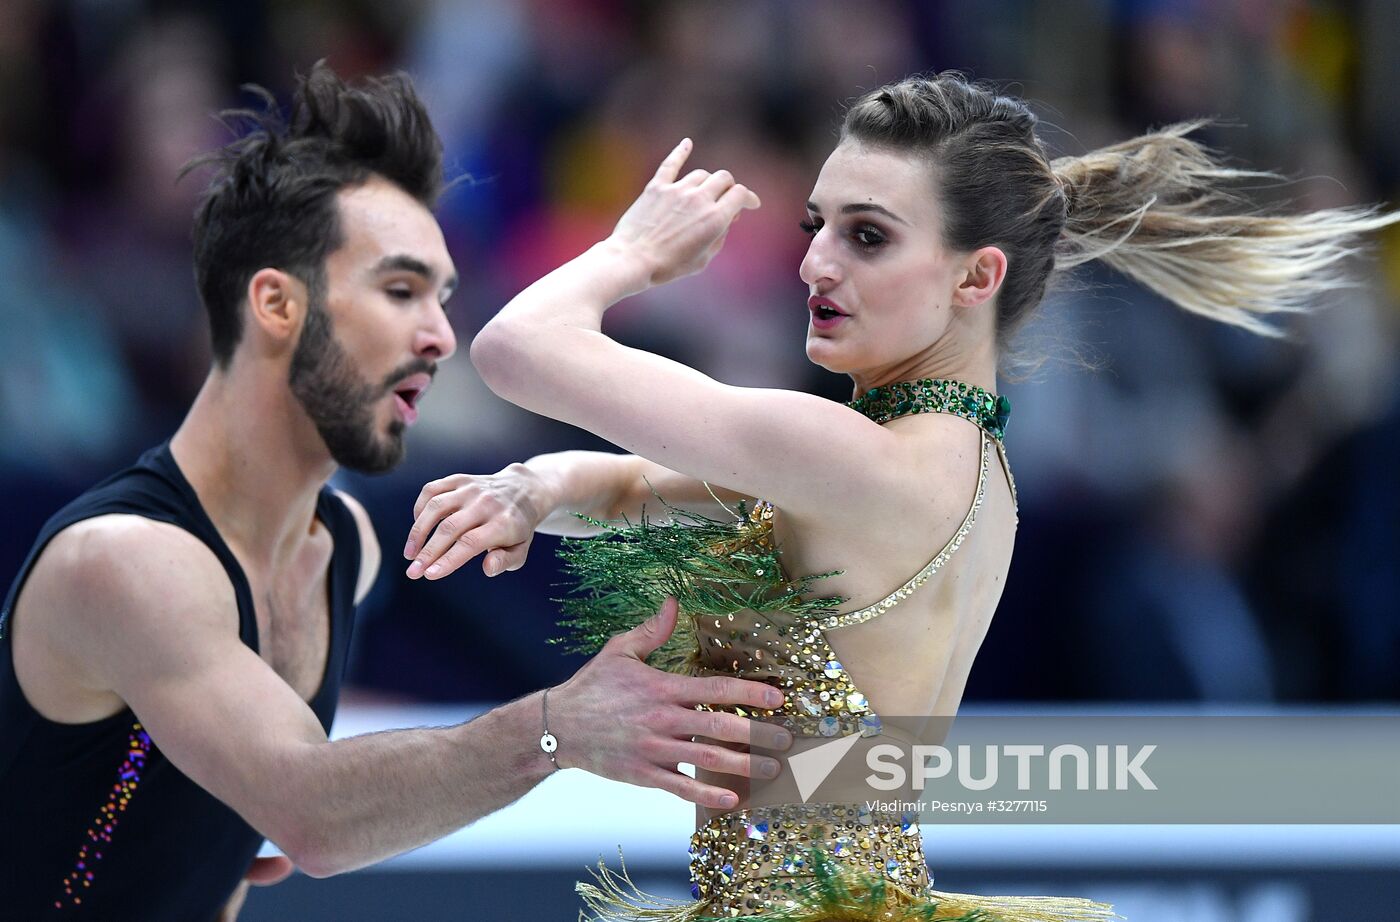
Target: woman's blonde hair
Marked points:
1157	208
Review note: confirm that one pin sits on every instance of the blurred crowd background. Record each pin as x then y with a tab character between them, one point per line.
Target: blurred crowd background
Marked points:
1205	515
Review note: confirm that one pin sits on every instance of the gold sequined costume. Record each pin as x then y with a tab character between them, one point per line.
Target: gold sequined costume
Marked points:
804	862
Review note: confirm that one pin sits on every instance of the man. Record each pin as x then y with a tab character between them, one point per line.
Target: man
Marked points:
173	647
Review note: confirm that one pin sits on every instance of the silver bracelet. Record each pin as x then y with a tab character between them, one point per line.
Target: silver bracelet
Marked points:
548	742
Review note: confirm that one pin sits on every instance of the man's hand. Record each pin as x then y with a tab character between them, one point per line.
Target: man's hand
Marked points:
264	873
463	515
621	719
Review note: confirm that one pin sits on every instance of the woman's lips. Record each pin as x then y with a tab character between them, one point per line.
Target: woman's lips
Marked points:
826	313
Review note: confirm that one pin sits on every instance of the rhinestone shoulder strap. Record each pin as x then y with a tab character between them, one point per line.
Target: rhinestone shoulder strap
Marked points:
846	619
935	395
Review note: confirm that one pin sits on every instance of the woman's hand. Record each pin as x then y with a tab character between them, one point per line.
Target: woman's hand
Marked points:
264	872
676	226
463	515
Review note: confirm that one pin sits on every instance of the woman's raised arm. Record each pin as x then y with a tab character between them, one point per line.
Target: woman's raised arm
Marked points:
545	351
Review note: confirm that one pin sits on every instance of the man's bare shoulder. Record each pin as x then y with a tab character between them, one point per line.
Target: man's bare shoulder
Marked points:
131	556
105	587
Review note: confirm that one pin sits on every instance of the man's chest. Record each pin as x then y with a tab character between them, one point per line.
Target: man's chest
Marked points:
293	608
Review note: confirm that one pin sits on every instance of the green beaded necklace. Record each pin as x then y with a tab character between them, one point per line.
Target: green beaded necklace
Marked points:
936	395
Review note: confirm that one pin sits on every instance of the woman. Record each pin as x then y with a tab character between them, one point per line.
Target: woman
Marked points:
936	224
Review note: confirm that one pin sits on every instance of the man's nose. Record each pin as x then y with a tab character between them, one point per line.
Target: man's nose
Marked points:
436	340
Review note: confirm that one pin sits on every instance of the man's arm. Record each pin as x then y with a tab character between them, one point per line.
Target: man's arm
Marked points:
148	612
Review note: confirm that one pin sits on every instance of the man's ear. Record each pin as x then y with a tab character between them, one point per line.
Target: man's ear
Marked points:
984	271
276	307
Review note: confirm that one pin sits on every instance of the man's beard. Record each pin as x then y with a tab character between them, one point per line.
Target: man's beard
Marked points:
340	401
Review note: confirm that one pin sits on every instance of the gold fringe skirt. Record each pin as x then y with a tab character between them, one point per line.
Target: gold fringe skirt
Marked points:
816	863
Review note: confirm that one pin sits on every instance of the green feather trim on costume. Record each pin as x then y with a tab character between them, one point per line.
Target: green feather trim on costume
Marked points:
837	892
711	567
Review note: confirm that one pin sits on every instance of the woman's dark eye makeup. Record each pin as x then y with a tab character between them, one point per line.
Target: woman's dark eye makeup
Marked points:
865	235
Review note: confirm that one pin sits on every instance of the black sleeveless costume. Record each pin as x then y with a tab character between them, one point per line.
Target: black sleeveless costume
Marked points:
95	823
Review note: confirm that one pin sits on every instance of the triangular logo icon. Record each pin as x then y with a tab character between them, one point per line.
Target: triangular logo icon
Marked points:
811	768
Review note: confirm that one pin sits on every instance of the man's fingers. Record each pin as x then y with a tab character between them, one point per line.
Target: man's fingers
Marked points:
650	634
725	690
731	728
687	788
268	871
758	734
719	759
670	168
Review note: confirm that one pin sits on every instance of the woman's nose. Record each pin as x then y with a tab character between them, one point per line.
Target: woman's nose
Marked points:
818	268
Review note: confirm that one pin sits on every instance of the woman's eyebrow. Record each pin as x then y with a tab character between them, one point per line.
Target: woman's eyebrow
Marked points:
857	207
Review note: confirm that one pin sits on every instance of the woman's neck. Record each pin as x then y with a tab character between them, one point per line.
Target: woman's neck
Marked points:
977	367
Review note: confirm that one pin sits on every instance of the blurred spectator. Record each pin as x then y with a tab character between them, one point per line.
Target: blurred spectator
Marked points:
1205	515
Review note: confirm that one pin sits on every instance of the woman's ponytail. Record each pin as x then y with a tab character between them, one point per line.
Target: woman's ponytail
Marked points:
1159	209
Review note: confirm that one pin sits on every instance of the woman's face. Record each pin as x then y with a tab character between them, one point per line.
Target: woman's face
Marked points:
879	278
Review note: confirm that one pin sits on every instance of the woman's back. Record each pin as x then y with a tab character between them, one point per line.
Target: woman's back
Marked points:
913	657
921	569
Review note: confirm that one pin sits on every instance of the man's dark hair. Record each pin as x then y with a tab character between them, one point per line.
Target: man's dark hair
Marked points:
272	199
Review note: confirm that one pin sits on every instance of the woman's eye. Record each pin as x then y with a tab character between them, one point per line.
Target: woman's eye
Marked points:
809	227
868	236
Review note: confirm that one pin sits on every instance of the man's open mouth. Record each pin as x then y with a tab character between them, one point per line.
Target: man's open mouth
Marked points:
408	392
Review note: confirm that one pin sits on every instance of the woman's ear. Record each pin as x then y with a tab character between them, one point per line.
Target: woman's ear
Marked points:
983	272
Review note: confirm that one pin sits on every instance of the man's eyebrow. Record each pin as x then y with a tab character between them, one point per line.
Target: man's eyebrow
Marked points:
858	207
402	262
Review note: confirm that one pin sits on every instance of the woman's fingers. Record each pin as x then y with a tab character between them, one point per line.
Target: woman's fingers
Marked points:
737	198
693	179
265	872
717	183
670	168
434	487
457	540
504	559
459	553
427	515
